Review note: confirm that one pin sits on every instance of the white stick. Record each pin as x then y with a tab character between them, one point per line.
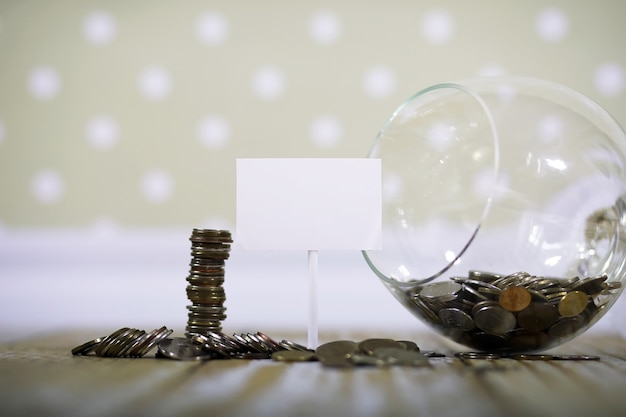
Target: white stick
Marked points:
312	333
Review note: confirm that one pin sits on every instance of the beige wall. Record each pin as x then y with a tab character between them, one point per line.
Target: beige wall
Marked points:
132	113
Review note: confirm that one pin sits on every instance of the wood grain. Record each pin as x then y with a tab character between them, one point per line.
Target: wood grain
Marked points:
41	378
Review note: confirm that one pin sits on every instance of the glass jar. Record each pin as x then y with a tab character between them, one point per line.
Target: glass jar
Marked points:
504	211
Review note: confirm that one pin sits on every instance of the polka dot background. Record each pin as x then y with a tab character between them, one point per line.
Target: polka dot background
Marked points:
121	114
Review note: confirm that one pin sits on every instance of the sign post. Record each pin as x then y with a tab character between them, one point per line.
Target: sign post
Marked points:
309	204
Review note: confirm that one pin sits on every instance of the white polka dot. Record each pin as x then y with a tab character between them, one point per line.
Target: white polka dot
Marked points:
325	27
326	131
3	131
44	83
154	83
552	24
609	79
550	128
47	186
484	183
212	28
491	70
214	132
441	136
392	187
102	132
379	82
157	186
438	26
269	82
99	28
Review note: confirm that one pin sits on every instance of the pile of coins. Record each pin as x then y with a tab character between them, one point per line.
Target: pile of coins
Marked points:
124	343
517	312
369	352
215	345
340	353
209	251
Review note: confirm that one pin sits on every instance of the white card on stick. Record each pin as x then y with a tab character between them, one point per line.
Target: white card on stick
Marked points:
309	204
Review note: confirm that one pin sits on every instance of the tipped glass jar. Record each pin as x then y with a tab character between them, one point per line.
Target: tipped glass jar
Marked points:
504	211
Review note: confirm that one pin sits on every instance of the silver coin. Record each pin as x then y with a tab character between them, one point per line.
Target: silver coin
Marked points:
87	347
183	349
122	348
290	345
337	353
363	359
443	290
483	304
478	355
484	276
370	346
110	341
426	311
590	285
409	345
401	357
475	293
152	340
496	320
482	284
455	318
293	356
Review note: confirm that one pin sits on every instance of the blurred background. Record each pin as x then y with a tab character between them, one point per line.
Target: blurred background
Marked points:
120	124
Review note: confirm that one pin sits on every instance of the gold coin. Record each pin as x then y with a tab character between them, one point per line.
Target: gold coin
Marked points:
573	303
514	298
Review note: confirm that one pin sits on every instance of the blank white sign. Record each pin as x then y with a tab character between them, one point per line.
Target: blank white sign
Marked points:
309	204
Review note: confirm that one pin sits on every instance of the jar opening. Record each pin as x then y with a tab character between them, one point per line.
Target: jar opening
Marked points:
440	165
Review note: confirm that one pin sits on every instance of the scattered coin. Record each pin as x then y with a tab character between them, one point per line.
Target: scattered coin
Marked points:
370	346
87	347
293	356
180	348
409	345
401	357
336	353
125	342
478	355
362	359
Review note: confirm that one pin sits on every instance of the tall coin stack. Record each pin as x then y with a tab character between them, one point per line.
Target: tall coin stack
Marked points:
209	251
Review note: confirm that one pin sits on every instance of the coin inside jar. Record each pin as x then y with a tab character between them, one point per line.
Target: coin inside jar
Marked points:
573	303
514	298
495	320
538	316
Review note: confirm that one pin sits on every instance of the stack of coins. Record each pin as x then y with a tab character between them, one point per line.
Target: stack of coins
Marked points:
209	251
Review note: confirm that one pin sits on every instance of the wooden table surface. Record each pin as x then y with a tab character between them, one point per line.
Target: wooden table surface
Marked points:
40	377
